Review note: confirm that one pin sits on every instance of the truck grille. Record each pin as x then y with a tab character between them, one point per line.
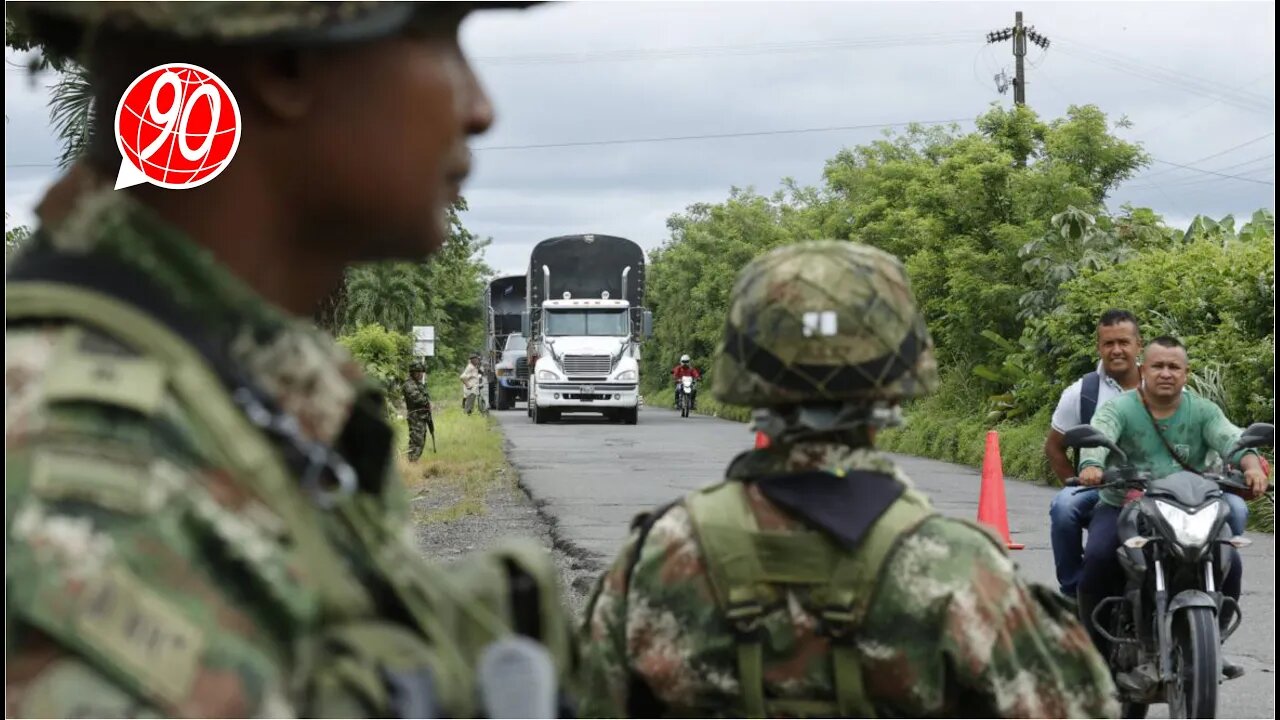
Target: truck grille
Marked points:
522	368
587	365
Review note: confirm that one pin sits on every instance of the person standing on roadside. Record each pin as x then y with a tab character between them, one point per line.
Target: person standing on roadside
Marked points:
417	405
472	377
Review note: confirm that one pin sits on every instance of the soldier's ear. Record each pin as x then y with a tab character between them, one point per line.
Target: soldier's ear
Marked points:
282	82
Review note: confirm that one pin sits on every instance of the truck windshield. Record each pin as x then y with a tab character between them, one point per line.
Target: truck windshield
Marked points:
514	343
587	322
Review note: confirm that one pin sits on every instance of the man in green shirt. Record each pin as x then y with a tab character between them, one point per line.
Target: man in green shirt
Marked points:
1191	425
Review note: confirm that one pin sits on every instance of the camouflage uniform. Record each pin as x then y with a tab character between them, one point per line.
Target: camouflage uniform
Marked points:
948	628
417	404
165	555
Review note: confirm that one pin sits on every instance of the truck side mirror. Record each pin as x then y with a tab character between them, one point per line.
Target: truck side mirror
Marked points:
647	324
524	323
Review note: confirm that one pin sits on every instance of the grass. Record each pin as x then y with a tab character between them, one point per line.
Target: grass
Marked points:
469	461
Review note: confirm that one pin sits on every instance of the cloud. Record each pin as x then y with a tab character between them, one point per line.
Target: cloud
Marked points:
1194	78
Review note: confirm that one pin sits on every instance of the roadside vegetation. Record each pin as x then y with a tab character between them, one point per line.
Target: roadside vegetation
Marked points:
1013	254
468	465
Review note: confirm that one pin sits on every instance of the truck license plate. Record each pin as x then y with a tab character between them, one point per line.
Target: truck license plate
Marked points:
587	392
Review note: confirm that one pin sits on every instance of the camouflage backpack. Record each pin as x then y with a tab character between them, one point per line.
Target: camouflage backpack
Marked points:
750	569
425	663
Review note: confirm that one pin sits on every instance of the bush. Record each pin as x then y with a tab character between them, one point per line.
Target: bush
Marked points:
384	354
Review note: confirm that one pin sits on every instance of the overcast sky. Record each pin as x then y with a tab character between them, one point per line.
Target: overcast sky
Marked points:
1196	79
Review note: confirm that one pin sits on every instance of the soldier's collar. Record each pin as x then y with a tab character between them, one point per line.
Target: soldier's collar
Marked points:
82	213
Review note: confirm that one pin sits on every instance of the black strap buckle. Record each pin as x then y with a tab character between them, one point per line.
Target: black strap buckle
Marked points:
318	461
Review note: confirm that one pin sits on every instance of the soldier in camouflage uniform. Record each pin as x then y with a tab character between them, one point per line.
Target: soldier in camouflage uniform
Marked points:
203	515
417	403
814	581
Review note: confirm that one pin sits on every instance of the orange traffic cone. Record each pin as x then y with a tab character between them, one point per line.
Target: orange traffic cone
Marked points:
992	511
762	440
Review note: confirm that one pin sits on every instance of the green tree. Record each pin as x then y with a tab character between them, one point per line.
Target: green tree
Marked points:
14	238
70	102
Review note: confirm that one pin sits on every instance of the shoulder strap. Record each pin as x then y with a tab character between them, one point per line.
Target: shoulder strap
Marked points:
1167	446
852	589
238	443
42	285
742	561
1089	396
724	526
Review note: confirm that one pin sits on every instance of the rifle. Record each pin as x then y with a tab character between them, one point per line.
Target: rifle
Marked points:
431	428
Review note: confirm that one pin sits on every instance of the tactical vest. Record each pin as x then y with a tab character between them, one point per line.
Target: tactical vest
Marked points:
418	659
750	569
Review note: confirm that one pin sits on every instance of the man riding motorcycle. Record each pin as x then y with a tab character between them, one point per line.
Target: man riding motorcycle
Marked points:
684	369
1163	429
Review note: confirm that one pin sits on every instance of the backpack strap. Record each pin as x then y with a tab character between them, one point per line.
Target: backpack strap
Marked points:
1089	396
725	527
238	444
742	562
852	589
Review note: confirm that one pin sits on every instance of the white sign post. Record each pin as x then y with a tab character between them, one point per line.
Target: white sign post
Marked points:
424	341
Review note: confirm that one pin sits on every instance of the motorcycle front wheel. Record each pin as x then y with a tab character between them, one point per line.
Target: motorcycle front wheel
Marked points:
1193	693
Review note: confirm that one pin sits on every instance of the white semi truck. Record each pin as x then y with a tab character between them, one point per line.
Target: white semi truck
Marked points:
586	321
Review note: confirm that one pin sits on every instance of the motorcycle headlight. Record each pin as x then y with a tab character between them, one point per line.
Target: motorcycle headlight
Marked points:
547	376
1189	529
628	376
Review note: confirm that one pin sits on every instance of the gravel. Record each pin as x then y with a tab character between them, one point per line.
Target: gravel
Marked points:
510	512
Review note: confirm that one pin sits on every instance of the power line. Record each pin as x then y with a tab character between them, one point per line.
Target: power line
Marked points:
1255	103
1210	172
1184	181
696	51
714	136
1164	127
1220	153
673	138
1177	75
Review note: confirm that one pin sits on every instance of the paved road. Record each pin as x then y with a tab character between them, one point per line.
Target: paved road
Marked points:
592	477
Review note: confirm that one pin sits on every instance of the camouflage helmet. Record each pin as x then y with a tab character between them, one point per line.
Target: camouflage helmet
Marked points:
417	366
67	27
823	322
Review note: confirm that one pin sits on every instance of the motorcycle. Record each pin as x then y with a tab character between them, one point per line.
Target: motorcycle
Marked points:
1164	631
684	396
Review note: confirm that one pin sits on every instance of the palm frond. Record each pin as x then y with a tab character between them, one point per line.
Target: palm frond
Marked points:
71	109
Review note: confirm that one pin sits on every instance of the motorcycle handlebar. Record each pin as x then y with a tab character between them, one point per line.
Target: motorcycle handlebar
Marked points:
1114	477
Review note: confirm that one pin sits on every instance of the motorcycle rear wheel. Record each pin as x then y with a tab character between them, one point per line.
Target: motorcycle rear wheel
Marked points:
1194	690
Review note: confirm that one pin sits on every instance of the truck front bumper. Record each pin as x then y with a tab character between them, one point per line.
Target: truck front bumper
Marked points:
511	383
587	396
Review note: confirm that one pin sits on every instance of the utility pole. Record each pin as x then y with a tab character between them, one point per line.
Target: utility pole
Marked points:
1019	52
1019	34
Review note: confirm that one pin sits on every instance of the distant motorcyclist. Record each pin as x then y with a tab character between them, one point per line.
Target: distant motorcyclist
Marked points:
685	369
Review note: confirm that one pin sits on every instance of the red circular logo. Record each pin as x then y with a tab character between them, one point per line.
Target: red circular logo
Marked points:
177	126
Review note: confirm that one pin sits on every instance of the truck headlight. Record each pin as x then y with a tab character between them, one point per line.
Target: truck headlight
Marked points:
1189	529
502	372
547	376
627	376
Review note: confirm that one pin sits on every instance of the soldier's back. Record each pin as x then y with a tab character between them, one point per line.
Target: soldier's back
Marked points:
949	630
